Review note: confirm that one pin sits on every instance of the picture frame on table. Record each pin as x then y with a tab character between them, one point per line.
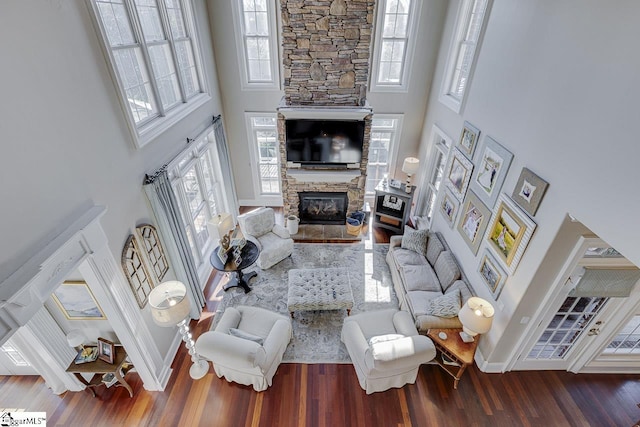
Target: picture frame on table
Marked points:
492	274
529	191
458	174
468	140
395	183
449	207
106	350
491	171
75	300
509	232
86	355
473	221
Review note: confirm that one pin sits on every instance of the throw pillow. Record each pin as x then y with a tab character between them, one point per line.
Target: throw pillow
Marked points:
415	240
446	269
245	335
448	305
434	247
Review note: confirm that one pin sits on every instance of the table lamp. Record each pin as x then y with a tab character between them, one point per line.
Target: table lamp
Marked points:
410	167
75	338
169	307
220	227
476	316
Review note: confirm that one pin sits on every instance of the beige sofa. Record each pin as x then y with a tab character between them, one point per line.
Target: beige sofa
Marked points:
420	278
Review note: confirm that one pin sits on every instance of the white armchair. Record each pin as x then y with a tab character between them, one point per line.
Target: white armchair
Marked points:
247	345
273	240
385	348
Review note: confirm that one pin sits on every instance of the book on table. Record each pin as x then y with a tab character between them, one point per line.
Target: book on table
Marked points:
87	354
448	361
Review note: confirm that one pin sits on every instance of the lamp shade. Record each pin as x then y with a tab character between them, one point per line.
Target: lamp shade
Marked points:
220	225
410	165
169	303
75	338
476	316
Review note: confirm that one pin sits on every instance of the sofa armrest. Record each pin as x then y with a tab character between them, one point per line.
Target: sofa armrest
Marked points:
355	340
220	347
404	323
407	351
281	232
280	334
395	242
230	319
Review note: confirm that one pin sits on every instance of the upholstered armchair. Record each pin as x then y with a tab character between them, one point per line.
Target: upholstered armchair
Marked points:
273	240
247	345
385	348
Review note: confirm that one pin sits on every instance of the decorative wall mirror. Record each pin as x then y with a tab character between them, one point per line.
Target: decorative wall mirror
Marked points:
136	271
153	249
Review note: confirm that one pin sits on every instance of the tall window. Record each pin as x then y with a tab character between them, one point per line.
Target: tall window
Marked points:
263	135
385	131
153	53
198	187
441	144
255	28
470	21
394	28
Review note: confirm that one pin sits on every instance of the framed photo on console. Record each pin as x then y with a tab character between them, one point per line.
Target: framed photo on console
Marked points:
492	169
106	350
509	232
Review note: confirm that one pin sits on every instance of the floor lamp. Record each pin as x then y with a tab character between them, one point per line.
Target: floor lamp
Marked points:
170	307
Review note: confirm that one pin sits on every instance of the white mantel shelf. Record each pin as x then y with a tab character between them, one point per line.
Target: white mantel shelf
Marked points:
303	175
320	112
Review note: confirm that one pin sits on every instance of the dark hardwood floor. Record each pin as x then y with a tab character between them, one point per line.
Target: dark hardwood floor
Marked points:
329	395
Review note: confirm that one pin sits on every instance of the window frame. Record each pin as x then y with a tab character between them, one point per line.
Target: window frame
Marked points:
394	143
412	24
149	129
274	47
440	144
462	23
268	199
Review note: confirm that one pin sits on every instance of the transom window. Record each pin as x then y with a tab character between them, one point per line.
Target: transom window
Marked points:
259	51
396	20
153	52
263	136
385	131
460	64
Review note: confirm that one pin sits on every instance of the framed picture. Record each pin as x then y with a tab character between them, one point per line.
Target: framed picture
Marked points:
529	191
77	302
458	174
468	139
449	207
394	183
492	275
473	221
509	232
492	169
106	350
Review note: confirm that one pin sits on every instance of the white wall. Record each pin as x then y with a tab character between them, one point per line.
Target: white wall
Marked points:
556	84
65	144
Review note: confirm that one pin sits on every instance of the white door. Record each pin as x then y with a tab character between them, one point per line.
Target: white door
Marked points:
574	328
12	362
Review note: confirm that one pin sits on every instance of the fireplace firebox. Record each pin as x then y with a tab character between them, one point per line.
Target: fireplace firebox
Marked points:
323	207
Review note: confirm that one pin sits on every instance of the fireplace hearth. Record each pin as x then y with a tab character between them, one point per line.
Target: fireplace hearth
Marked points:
323	207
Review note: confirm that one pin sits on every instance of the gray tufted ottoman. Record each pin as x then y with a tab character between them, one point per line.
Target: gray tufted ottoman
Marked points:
319	289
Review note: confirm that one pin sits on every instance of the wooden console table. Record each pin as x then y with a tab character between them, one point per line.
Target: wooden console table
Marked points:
99	368
459	352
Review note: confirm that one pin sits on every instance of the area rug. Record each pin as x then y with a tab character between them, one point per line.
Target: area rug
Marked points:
316	334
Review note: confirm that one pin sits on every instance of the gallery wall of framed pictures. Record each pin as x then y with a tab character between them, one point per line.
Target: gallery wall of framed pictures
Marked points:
497	225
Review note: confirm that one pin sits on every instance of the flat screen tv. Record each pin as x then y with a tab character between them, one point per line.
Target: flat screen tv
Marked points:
324	142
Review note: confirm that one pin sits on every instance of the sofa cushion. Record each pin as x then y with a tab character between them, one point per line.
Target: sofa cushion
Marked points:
415	240
446	269
434	247
418	301
245	335
407	257
419	278
447	305
465	292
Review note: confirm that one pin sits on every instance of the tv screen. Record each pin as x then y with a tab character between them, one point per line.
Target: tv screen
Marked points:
324	142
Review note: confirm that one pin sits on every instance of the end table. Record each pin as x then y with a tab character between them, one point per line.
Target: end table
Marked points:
459	353
99	367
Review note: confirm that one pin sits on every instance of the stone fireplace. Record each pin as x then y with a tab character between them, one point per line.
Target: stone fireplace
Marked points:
323	207
326	47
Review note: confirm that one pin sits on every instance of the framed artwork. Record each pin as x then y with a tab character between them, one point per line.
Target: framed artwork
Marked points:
509	232
106	350
473	221
77	302
136	270
489	176
492	275
458	174
449	207
529	191
158	262
468	139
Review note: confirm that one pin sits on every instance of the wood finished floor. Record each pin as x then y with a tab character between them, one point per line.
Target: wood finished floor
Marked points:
329	395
